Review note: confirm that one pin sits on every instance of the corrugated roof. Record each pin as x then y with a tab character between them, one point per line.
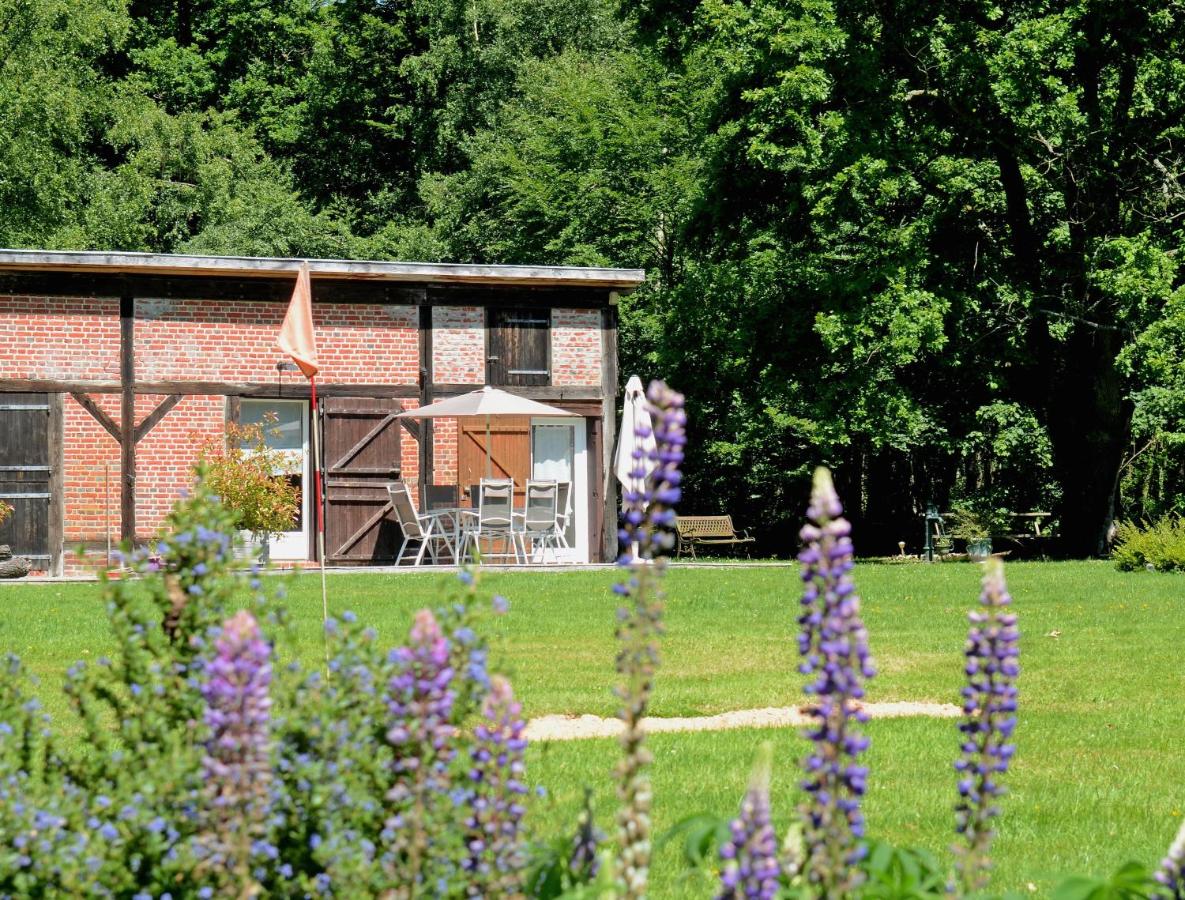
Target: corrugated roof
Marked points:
622	280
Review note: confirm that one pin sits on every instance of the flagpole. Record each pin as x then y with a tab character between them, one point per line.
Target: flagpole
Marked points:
320	520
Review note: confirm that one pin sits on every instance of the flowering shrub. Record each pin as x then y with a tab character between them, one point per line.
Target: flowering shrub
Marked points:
250	479
217	766
5	511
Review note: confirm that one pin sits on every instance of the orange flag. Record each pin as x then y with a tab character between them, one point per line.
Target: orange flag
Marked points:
296	334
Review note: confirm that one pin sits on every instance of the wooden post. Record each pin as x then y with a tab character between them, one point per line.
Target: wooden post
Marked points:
427	459
608	429
127	418
57	501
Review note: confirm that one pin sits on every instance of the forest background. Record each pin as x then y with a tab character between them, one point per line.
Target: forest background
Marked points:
933	245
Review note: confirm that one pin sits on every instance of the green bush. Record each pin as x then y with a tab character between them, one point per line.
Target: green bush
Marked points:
1159	545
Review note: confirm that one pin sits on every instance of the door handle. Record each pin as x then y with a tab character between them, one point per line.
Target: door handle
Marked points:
493	358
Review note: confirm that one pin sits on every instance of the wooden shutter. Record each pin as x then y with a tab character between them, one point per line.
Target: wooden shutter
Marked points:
26	473
519	347
510	452
361	455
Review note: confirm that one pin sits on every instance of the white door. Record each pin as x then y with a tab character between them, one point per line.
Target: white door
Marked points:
558	453
286	428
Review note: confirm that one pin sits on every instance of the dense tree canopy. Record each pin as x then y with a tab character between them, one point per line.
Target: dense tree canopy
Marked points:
933	245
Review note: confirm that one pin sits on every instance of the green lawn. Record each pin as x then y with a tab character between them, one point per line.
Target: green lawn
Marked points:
1097	779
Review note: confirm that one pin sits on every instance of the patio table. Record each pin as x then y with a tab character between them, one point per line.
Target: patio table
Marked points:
452	519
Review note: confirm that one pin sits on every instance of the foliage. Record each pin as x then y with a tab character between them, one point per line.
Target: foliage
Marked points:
202	733
5	511
1159	545
248	476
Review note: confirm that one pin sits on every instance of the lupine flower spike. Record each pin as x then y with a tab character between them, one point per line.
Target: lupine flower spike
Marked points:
989	718
1171	874
420	699
750	857
236	763
834	647
494	857
647	523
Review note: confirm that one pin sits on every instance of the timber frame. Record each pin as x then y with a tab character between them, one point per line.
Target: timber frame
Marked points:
128	276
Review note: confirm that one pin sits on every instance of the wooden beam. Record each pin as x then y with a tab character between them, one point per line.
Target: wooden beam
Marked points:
609	378
293	389
149	422
426	436
541	392
127	410
98	414
415	429
62	283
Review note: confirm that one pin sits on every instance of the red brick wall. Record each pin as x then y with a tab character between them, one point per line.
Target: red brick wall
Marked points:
576	347
409	450
59	338
165	456
458	345
444	451
233	340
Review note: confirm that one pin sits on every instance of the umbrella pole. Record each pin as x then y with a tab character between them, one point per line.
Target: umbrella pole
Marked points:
489	462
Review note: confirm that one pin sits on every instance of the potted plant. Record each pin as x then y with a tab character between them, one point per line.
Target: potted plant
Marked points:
973	525
251	480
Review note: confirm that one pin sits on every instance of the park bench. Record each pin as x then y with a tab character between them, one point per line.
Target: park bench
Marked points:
697	531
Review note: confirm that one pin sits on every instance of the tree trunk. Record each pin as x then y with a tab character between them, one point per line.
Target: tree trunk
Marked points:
1089	425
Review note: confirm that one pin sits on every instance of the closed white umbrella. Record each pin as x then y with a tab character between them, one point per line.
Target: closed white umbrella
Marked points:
635	417
487	401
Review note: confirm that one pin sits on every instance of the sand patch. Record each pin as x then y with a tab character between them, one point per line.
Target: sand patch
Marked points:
573	728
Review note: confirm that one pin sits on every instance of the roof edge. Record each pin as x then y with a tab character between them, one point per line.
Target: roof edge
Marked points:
622	280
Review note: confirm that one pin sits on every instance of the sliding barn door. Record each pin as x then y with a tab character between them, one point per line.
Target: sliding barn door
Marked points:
361	456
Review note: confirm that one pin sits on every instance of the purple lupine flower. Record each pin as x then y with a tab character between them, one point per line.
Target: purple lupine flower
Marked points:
989	718
647	523
236	765
494	857
834	647
750	857
420	701
584	864
1171	874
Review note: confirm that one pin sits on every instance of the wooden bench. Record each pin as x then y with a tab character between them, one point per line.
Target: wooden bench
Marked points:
697	531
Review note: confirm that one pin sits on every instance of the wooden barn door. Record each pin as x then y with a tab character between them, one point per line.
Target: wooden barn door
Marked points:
510	453
519	347
361	456
28	479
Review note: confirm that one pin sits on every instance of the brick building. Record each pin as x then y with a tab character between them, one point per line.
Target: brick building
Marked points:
116	367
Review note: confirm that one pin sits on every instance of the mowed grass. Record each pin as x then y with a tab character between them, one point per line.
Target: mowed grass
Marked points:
1098	779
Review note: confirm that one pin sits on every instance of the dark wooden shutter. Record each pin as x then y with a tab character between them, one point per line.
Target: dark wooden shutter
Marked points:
520	347
361	456
26	475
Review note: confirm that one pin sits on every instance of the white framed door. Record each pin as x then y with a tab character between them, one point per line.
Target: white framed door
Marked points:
559	453
285	425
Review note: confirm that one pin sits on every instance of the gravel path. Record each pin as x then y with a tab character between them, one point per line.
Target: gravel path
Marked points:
572	728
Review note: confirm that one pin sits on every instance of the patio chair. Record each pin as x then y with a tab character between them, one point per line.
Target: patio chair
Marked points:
537	521
439	496
563	513
423	528
493	519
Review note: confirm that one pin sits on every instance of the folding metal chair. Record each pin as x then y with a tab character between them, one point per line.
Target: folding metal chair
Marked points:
423	528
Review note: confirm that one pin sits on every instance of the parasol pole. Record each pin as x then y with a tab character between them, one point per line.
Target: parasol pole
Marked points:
489	463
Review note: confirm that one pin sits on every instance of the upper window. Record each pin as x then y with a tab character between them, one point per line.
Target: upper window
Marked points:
519	347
